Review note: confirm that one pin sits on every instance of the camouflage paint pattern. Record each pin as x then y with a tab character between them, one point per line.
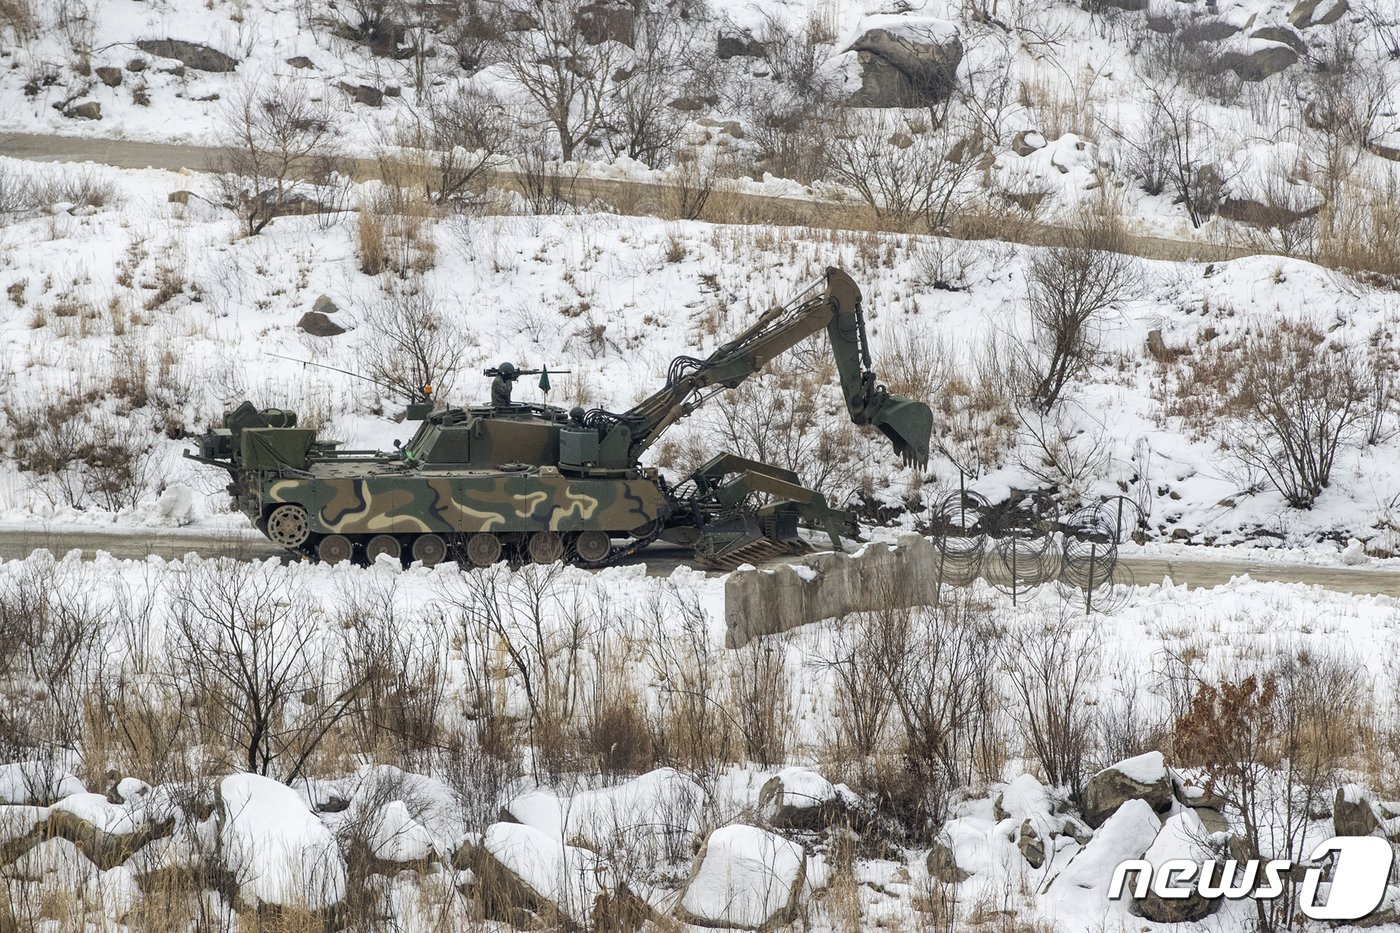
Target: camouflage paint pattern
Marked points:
440	502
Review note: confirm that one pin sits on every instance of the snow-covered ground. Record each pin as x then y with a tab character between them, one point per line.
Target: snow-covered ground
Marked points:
571	834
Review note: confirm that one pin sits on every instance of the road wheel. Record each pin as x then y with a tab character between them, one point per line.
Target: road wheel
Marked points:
593	545
289	526
545	547
382	544
483	549
334	548
429	550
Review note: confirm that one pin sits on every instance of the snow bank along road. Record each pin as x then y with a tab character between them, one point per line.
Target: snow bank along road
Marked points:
628	196
16	544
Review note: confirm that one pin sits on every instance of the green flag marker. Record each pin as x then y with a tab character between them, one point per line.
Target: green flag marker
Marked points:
544	379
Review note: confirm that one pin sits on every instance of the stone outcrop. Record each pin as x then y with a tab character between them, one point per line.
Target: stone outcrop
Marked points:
1307	13
1142	778
1179	839
1259	60
108	75
191	54
905	61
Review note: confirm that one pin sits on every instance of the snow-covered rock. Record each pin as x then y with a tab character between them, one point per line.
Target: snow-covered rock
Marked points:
800	798
38	783
520	868
659	810
1142	778
744	877
1181	837
905	60
275	847
1126	834
395	836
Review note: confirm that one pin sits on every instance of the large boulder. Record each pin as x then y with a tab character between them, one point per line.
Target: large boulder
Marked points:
275	847
1258	59
395	836
801	799
1181	838
192	54
318	325
106	832
1307	13
1141	778
905	60
524	876
1127	834
1353	812
942	863
87	110
745	878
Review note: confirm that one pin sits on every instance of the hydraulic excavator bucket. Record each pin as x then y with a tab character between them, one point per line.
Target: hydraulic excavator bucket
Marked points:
908	424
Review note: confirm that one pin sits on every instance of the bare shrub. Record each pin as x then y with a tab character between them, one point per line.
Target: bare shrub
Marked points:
1052	669
76	453
84	187
1293	402
780	417
51	631
906	170
547	184
277	139
763	695
17	18
409	344
395	227
400	664
975	417
1274	745
268	681
1171	152
1062	451
692	725
641	123
1070	290
938	665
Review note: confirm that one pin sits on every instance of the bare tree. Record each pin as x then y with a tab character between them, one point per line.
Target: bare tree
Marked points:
566	74
280	143
267	677
464	137
409	343
1070	289
641	123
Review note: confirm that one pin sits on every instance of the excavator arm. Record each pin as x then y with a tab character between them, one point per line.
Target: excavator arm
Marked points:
691	381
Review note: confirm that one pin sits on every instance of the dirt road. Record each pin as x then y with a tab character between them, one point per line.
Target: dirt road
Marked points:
661	559
623	196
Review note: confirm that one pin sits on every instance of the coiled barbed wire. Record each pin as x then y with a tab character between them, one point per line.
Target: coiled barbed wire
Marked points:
1020	546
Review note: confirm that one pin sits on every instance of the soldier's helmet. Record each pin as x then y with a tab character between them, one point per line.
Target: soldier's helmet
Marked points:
506	369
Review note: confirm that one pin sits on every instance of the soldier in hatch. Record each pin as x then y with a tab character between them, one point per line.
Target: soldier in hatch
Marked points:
503	384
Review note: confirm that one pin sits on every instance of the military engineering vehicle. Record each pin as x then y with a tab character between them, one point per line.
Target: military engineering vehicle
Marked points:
536	482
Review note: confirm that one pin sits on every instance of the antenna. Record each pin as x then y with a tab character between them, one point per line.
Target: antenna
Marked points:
422	394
